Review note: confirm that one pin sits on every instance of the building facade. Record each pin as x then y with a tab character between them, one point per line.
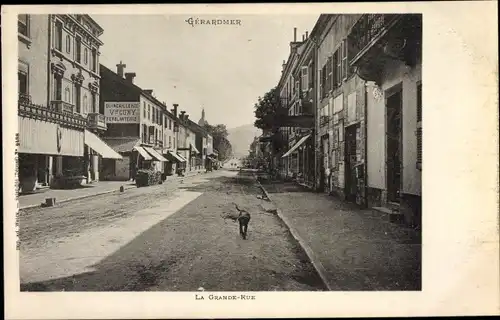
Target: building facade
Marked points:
365	73
58	84
296	91
341	121
139	127
387	52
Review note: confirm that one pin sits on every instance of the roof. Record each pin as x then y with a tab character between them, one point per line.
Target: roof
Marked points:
133	86
122	144
195	127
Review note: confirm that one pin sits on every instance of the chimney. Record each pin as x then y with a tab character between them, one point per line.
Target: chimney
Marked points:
186	117
303	37
294	34
174	110
307	35
130	76
119	68
149	91
182	115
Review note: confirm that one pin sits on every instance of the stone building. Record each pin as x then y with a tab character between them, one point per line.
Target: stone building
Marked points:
58	83
341	113
140	127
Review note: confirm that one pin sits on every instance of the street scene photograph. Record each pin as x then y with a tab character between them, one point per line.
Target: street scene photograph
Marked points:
219	153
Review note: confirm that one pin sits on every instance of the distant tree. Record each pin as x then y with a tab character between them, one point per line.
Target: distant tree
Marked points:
220	142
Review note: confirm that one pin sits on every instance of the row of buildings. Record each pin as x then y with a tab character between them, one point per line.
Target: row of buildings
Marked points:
352	94
79	120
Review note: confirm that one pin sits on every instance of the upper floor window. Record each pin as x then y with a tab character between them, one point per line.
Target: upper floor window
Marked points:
94	60
149	112
79	49
23	24
68	43
86	56
58	35
22	80
144	109
305	80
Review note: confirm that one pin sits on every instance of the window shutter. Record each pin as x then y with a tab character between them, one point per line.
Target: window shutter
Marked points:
305	80
339	65
335	71
344	59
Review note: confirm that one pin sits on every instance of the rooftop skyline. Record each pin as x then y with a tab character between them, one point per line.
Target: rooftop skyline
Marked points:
222	68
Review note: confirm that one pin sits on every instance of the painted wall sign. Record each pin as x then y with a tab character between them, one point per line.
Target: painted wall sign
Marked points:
122	112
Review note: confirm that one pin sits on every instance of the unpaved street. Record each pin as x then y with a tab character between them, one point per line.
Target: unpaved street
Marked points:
171	237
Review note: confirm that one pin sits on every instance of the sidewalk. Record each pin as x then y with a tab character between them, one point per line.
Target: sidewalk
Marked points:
352	248
93	189
90	190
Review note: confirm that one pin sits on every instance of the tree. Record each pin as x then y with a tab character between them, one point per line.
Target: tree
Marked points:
268	110
220	142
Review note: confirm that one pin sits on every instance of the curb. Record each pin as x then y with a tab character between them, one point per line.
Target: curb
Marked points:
78	197
318	266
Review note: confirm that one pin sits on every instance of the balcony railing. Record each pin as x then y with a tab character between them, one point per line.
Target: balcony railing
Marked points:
367	31
27	109
61	106
96	121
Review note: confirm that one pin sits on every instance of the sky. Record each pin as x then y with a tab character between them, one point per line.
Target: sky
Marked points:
223	68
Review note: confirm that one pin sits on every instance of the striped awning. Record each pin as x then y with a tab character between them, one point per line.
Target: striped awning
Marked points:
175	157
143	153
99	146
298	144
155	154
183	159
193	149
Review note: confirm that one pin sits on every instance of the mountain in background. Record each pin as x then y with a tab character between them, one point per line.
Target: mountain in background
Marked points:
241	138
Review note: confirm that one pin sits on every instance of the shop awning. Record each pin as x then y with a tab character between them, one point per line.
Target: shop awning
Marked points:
143	153
193	148
301	141
183	159
175	157
95	143
155	154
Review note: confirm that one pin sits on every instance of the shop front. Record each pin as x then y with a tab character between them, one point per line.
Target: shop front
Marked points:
96	150
50	147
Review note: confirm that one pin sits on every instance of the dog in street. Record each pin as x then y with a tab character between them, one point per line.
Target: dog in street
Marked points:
243	220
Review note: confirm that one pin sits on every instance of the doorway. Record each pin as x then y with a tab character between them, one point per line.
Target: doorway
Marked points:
394	103
351	183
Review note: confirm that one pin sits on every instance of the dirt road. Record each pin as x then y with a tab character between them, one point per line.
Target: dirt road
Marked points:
171	237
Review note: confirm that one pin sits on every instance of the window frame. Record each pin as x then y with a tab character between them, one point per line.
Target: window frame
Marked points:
78	49
26	25
68	43
58	34
305	78
26	72
86	56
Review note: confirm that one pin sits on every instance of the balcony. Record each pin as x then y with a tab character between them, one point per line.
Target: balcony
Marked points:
61	106
377	39
27	109
96	121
